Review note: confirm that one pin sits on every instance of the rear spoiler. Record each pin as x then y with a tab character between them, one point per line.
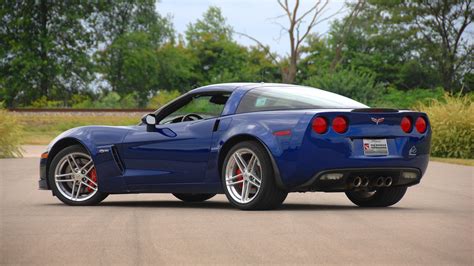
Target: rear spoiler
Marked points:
375	110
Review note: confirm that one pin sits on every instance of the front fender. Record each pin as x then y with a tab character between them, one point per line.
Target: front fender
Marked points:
98	141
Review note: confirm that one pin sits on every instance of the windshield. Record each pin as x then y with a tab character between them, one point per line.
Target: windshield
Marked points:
293	98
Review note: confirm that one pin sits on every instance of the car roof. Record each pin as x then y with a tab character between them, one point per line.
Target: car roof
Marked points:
230	87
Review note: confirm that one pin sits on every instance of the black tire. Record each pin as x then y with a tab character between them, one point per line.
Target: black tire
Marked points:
191	197
383	197
270	195
94	200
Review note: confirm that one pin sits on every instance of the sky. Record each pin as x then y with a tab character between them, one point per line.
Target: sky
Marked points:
256	18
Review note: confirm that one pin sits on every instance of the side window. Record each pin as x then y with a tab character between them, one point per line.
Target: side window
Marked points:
255	101
199	107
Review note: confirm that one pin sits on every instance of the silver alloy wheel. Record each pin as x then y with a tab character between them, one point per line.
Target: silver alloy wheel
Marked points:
75	177
243	176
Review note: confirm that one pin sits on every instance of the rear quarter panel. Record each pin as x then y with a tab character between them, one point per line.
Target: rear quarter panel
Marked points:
304	153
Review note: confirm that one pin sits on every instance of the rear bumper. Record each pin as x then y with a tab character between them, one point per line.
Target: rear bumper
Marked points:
338	180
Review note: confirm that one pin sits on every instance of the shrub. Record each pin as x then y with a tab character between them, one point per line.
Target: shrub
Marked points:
452	122
360	86
399	99
43	102
106	100
162	98
10	136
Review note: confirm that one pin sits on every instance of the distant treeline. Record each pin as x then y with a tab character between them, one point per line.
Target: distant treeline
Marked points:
126	54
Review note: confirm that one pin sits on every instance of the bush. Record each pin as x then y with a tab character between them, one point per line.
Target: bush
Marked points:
162	98
106	100
43	102
452	122
360	86
399	99
10	136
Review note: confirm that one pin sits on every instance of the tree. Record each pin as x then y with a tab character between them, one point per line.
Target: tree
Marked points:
346	28
176	68
130	63
128	28
298	30
442	26
297	35
44	49
219	57
409	43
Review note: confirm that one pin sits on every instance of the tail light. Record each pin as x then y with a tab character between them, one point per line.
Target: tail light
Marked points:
320	125
420	124
339	124
406	124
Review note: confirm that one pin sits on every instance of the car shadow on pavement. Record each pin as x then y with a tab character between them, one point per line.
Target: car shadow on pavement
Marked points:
226	205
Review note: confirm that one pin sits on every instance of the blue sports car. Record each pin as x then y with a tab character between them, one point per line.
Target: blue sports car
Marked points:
255	142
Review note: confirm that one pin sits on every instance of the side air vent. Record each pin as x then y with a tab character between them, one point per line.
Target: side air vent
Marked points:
117	159
375	110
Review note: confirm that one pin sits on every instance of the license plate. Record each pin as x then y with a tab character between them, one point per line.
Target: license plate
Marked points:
375	147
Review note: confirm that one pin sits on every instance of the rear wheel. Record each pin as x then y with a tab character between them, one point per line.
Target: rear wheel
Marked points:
73	177
382	197
193	197
248	178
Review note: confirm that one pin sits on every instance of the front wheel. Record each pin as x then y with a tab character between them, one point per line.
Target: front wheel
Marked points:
192	197
248	178
73	177
382	197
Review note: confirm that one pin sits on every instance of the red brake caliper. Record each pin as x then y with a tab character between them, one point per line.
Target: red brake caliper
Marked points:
238	172
93	177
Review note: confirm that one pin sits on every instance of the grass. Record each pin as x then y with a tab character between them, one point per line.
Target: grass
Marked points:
40	129
468	162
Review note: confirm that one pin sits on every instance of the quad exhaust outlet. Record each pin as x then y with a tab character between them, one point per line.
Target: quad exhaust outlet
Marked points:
383	182
357	182
363	182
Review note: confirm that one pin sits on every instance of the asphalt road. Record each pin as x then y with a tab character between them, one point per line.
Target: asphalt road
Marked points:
433	224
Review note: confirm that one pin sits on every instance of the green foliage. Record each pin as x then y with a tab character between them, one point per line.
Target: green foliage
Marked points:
107	100
400	99
176	67
10	136
452	122
44	49
212	27
43	102
356	85
162	98
135	55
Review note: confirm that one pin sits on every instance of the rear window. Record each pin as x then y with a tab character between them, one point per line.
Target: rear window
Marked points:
293	98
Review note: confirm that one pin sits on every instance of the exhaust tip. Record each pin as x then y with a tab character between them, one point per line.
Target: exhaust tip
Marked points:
388	181
379	182
357	182
364	182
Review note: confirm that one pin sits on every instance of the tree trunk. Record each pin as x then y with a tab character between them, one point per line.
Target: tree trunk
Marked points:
44	79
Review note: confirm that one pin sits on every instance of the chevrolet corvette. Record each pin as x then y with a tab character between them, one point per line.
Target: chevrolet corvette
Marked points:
254	142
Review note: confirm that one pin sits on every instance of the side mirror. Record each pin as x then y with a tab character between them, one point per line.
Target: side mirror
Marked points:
150	121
